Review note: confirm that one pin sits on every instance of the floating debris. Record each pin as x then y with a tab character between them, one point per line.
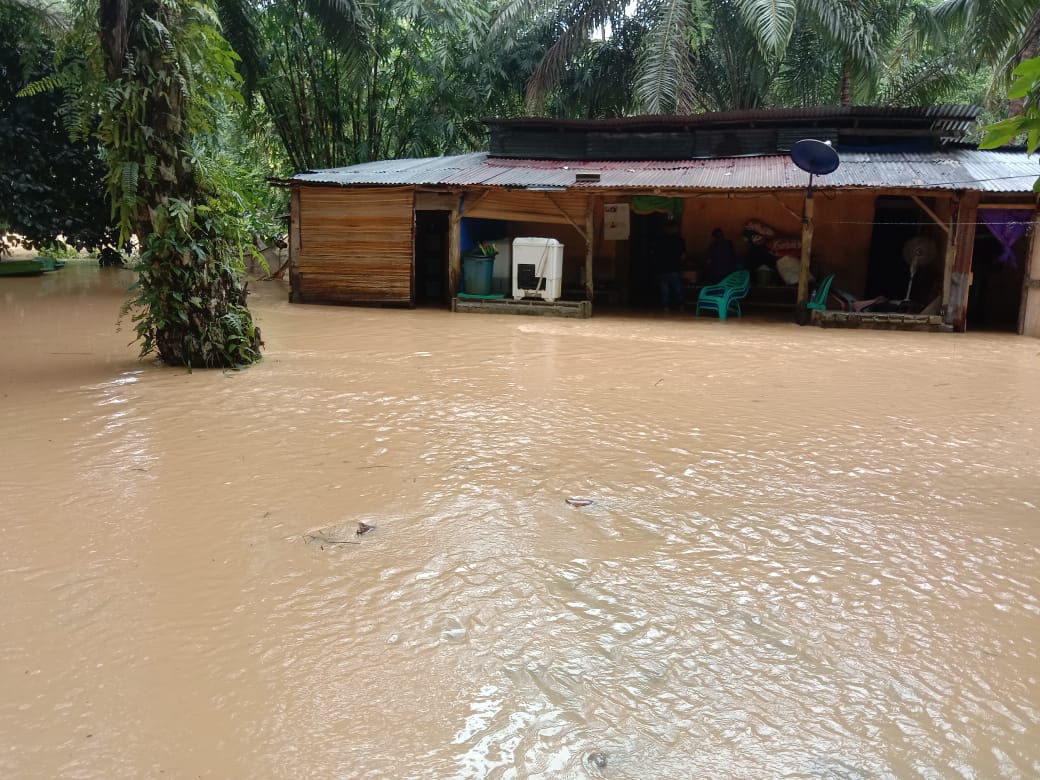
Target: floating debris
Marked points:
579	501
326	538
336	535
597	759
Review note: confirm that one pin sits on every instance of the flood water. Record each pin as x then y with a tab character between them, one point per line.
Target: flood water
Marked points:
810	553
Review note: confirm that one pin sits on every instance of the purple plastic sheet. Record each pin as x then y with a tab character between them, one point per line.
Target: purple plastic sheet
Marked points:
1007	225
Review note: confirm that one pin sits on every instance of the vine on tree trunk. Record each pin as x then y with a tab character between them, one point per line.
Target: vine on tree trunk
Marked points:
167	68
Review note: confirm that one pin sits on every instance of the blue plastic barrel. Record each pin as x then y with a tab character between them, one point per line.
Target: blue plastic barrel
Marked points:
477	272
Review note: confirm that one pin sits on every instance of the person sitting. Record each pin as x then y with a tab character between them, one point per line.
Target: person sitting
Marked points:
722	259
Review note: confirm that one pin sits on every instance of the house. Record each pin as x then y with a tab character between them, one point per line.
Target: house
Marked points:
394	232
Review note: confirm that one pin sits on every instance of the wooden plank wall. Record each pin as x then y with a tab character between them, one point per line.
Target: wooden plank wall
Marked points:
355	245
520	206
843	226
1029	313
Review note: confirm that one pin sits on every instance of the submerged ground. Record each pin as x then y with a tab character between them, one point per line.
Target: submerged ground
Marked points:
809	554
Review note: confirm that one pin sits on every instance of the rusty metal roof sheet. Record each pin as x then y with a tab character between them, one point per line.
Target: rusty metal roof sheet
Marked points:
949	169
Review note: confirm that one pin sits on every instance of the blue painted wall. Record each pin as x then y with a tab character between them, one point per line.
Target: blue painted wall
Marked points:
473	231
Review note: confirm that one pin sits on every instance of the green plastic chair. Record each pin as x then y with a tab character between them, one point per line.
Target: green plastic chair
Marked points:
819	298
725	295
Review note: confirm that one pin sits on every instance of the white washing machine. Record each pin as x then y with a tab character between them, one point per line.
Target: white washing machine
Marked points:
537	268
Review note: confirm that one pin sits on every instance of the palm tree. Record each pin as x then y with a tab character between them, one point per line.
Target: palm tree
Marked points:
166	67
342	81
700	52
1004	33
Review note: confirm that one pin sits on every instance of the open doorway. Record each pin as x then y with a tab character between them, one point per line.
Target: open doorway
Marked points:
646	230
995	295
430	286
905	264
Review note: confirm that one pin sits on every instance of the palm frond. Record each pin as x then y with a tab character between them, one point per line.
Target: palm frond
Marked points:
516	13
570	28
809	74
238	23
50	82
922	83
343	22
849	27
663	65
990	26
771	21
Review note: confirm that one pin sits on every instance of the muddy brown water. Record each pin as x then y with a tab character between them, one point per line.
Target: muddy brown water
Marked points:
810	553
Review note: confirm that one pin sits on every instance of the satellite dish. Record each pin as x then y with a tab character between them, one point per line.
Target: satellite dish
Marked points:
815	157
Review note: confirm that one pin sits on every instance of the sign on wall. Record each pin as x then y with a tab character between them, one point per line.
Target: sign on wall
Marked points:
615	222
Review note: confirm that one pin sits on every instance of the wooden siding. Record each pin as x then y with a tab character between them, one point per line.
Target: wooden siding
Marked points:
841	239
355	246
560	207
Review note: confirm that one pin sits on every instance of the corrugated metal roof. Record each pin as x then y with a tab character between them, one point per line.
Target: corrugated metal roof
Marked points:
889	115
950	169
743	133
416	170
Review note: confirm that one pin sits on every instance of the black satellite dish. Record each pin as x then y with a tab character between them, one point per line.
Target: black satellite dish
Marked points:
815	157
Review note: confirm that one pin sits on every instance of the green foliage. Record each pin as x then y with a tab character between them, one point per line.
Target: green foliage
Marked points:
171	81
341	83
57	249
234	167
998	34
50	185
695	55
1027	125
191	312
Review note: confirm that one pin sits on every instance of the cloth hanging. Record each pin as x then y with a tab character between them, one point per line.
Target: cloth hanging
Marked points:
1007	226
648	204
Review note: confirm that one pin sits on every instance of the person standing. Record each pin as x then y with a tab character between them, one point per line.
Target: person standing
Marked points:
671	254
721	257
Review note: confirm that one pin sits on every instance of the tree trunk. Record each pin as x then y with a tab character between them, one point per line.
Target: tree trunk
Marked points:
191	305
846	87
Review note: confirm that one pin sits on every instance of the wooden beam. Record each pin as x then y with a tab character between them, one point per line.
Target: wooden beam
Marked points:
1029	310
295	246
932	214
1008	205
787	208
807	237
960	278
581	230
470	200
454	252
590	240
950	255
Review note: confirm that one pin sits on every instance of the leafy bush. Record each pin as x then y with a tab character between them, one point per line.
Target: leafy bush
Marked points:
50	186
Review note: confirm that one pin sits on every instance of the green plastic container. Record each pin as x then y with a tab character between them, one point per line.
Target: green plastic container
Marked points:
477	271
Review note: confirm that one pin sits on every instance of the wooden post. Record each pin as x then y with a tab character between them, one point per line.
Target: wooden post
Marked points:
295	246
454	251
590	247
951	254
807	236
1029	311
960	277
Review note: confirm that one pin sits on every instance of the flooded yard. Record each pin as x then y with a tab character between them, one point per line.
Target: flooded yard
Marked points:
808	553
